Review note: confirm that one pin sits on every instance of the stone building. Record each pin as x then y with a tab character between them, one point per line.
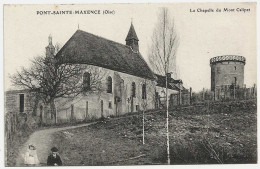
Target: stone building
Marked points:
227	70
127	82
18	101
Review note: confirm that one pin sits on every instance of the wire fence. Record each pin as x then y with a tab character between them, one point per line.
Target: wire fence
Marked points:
224	93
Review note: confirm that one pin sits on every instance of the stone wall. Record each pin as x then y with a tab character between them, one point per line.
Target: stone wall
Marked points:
94	104
227	73
101	103
12	101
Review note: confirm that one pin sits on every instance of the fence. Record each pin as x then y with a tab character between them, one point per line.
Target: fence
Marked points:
181	98
224	93
11	121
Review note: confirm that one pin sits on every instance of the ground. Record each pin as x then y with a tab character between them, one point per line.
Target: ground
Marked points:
203	134
206	134
43	140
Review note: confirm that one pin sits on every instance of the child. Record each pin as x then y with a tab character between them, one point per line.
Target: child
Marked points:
54	158
30	157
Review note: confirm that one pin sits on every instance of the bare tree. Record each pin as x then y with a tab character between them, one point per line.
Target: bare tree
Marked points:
162	55
50	80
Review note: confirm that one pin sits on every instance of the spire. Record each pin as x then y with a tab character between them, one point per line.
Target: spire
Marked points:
50	39
132	39
131	34
50	49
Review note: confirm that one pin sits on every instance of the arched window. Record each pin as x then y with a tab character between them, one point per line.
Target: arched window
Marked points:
133	89
144	91
86	81
109	84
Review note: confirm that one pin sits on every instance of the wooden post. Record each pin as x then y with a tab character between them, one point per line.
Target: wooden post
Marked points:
180	97
218	94
203	94
244	92
102	109
234	90
86	116
72	112
214	94
254	93
56	118
190	95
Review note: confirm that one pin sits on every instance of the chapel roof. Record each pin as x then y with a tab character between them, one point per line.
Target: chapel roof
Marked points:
86	48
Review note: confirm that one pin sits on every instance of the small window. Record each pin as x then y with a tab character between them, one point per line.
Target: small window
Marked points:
86	81
133	89
109	84
235	81
109	105
143	91
235	68
137	107
21	106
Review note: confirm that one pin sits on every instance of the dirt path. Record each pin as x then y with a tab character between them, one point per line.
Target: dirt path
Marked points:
42	139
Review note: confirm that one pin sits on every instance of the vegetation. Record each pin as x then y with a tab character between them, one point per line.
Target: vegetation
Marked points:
213	134
162	56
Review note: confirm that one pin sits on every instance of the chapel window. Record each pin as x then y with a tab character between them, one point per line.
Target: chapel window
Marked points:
86	81
143	91
109	84
133	89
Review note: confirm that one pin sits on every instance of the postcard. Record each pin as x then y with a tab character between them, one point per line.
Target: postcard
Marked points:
130	84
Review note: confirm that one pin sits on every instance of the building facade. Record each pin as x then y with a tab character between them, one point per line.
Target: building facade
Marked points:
127	83
227	70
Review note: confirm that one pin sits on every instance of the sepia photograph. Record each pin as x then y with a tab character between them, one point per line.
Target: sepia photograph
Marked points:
130	84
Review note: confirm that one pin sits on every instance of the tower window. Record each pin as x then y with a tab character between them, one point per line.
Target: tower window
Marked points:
86	81
235	68
109	84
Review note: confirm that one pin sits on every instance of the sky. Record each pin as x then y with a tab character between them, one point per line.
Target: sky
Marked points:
202	35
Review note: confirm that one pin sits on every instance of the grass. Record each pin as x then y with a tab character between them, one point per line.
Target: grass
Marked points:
12	146
208	134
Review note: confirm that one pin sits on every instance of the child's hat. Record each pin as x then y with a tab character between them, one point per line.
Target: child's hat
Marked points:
54	149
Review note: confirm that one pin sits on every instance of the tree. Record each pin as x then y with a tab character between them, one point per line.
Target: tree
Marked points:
162	55
50	80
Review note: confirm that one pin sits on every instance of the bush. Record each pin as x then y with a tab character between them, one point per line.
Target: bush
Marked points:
202	151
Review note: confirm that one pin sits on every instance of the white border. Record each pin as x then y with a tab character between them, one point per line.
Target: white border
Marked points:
2	160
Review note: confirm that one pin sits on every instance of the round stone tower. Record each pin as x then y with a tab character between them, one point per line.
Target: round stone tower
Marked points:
227	70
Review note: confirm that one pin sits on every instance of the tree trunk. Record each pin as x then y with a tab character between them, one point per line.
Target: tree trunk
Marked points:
53	111
35	106
167	123
143	126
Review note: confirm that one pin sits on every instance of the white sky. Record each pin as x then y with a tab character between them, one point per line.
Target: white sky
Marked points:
202	36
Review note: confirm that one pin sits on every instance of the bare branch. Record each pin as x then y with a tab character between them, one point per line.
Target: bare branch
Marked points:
163	50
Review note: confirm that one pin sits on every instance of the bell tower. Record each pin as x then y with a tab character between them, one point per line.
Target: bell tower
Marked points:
132	39
50	49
